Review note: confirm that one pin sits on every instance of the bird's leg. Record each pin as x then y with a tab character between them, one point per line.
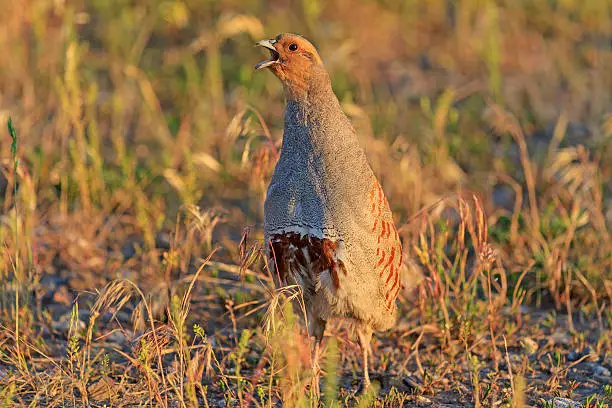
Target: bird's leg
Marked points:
364	334
316	328
316	355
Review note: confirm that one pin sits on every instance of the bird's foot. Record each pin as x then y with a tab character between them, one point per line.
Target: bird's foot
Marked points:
366	386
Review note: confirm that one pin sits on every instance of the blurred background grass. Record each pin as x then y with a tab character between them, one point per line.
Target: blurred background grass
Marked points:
135	119
138	108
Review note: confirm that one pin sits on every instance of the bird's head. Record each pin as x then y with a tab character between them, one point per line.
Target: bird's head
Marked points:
294	60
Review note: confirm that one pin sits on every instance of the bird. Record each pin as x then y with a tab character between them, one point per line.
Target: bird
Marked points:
328	226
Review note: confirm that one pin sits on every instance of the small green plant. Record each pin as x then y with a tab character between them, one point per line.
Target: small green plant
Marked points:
593	401
140	139
475	367
237	357
331	378
607	390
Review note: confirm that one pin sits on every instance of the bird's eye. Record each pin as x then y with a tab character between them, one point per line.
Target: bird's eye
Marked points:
293	47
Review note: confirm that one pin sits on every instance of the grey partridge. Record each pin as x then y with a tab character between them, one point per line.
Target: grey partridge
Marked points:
328	225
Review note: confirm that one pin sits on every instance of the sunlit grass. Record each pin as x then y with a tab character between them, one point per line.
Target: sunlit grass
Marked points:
138	140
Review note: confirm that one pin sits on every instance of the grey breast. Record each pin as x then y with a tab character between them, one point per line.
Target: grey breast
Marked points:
321	176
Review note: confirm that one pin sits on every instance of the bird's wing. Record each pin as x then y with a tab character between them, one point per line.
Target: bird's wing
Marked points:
389	256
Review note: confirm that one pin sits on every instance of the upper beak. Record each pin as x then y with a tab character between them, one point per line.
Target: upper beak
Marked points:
274	56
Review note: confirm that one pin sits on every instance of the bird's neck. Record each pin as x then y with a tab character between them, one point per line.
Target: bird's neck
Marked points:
308	86
314	119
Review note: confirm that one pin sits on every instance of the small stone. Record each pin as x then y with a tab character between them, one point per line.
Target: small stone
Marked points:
423	400
123	316
103	389
412	383
51	281
116	336
62	296
529	345
601	370
84	314
561	338
128	250
562	403
129	274
162	241
504	196
62	324
573	355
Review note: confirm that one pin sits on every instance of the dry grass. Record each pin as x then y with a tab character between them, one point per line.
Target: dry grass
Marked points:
137	146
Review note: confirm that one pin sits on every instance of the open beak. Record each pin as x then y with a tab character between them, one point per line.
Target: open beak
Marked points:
274	55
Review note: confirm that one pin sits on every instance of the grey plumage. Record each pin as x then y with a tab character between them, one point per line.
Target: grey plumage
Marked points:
323	188
320	187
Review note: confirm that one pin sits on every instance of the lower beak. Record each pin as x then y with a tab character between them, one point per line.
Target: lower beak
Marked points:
274	56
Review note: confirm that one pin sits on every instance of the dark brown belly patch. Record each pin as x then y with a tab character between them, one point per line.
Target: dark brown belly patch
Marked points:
294	253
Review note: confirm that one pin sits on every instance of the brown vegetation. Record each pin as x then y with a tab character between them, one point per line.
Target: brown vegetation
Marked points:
133	175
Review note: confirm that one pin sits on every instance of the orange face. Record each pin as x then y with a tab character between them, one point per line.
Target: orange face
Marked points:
292	59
